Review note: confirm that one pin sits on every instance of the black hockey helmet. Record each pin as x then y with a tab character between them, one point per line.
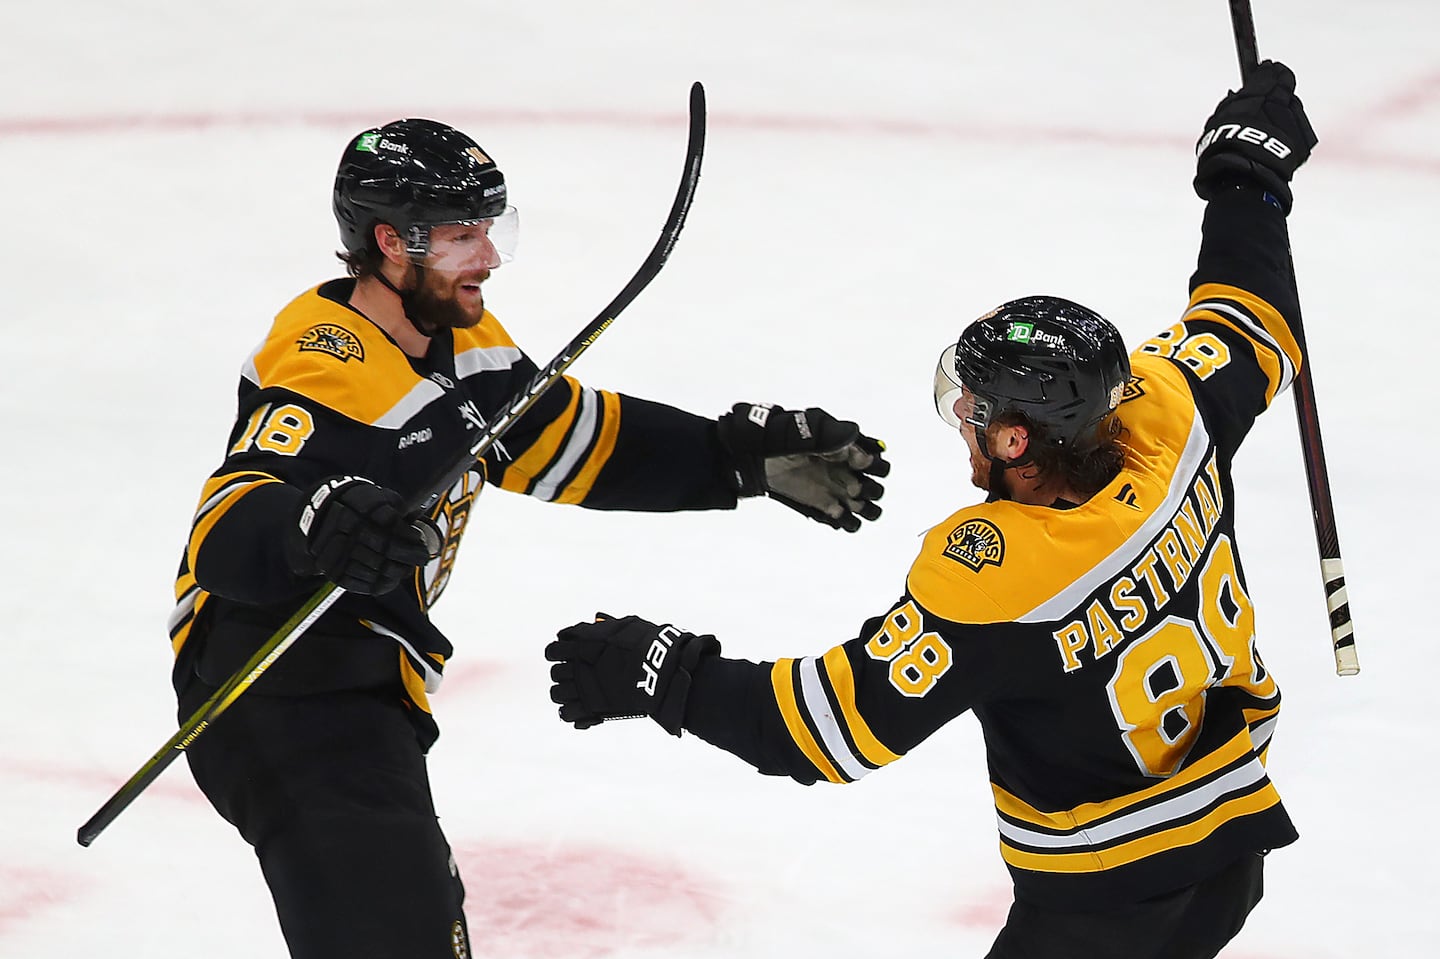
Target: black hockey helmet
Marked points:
413	174
1064	366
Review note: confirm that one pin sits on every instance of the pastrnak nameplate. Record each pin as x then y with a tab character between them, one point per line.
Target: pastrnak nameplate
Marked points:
335	340
976	543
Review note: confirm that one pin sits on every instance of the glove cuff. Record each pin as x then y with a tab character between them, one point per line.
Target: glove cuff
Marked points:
670	713
743	441
1220	171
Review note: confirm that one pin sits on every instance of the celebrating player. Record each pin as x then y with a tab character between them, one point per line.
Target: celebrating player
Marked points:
1092	612
360	398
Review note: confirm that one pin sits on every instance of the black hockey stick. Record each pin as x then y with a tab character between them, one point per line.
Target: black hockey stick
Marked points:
328	594
1332	570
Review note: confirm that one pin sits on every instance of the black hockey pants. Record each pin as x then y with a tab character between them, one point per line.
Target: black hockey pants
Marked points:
1193	923
332	791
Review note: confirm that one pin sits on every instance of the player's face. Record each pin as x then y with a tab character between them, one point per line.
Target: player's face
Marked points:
979	464
460	260
956	406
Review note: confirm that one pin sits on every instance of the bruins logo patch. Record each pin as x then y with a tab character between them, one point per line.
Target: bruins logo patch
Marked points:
976	543
1133	389
335	340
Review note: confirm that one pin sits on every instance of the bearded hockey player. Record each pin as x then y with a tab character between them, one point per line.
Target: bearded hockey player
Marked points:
358	401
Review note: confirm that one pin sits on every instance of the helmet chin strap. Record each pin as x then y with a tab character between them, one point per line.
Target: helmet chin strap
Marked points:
407	297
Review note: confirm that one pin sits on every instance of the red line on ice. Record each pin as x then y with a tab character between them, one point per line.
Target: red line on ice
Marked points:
1398	106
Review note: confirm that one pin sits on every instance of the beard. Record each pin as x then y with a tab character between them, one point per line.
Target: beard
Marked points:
432	309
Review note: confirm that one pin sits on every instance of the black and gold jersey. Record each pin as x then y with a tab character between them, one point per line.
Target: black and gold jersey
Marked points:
1108	650
329	393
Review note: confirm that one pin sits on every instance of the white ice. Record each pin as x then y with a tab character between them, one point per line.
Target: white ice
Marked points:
876	176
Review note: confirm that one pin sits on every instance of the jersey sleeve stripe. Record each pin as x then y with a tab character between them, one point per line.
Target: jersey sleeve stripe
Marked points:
1279	356
215	504
842	682
519	476
572	449
821	714
599	455
782	678
228	483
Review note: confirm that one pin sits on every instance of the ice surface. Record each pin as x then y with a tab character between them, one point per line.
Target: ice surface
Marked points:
876	176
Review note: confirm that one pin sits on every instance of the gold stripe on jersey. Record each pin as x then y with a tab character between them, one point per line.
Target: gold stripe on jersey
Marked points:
1040	562
842	682
782	677
1095	860
604	445
189	600
533	461
1087	815
413	682
219	494
578	442
1277	351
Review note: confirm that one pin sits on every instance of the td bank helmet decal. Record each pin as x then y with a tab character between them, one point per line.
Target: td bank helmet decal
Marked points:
976	543
335	340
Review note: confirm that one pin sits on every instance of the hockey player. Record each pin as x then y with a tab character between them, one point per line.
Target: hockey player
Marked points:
361	396
1092	612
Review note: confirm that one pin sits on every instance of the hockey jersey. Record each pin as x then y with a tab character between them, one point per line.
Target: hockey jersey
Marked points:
329	393
1108	650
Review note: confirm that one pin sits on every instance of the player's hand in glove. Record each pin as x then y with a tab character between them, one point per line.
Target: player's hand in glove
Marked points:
819	466
1258	134
354	534
619	668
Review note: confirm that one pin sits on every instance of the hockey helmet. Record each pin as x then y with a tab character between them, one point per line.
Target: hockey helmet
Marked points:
1064	366
415	174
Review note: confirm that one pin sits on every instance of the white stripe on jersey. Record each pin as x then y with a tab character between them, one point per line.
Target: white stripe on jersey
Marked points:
816	704
184	608
421	395
249	479
587	422
423	663
1192	461
483	358
1260	735
1144	820
1287	369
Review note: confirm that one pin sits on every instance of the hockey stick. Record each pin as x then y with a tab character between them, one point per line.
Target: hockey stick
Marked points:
328	594
1332	570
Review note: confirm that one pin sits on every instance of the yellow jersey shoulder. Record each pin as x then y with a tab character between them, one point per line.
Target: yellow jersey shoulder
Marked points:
333	355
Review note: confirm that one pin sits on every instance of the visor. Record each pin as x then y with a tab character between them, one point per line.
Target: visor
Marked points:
955	404
464	245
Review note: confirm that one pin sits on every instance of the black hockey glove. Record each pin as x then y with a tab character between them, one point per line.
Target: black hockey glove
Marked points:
353	533
1258	134
815	464
620	668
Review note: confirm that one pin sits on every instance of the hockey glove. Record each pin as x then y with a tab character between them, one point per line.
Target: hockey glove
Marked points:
815	464
1258	134
622	668
353	533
